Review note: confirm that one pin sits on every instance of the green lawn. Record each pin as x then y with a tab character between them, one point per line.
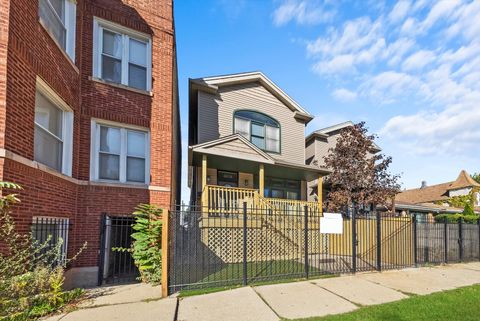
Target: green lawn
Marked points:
461	304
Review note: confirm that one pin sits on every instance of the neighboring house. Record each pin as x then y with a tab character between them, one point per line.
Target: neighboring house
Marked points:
318	145
434	199
247	137
89	116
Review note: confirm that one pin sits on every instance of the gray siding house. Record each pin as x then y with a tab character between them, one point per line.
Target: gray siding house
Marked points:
317	147
247	144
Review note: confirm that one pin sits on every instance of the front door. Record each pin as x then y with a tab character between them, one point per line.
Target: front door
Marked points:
227	179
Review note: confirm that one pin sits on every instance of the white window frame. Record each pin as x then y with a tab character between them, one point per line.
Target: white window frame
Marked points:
69	25
67	125
63	232
95	151
98	26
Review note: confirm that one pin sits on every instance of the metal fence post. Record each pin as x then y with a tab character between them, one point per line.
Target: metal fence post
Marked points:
354	240
379	242
478	225
306	242
478	234
415	239
460	238
165	251
445	236
244	243
101	252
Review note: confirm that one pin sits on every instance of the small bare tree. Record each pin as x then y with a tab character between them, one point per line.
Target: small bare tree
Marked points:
359	175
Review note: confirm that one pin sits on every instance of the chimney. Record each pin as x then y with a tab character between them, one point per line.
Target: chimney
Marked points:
424	184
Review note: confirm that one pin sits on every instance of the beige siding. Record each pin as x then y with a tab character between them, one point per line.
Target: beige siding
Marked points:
211	172
245	178
310	150
322	148
215	117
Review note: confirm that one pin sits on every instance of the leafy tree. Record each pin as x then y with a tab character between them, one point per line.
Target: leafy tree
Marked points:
468	210
359	176
461	201
476	177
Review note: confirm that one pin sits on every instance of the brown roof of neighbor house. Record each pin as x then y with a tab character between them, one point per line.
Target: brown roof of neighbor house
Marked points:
437	192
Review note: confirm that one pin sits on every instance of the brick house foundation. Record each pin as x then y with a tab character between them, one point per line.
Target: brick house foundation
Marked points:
89	117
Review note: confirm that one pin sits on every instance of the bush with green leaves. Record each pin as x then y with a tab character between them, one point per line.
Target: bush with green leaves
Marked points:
455	218
147	242
31	273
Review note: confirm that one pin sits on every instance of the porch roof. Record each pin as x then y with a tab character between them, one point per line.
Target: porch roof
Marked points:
236	153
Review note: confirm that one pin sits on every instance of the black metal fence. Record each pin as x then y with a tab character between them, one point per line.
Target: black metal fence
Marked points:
116	263
240	246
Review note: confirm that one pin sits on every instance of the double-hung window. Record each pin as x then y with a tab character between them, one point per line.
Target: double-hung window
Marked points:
122	55
262	130
120	153
53	130
59	17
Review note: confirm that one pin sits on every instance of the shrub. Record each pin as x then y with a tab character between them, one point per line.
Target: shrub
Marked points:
31	278
147	245
454	218
468	210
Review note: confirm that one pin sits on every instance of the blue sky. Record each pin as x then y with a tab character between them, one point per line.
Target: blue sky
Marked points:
410	69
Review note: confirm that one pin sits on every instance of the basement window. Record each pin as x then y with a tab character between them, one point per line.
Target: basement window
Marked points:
50	232
122	55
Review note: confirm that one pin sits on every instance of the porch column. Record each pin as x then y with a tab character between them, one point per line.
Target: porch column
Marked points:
204	172
320	192
261	179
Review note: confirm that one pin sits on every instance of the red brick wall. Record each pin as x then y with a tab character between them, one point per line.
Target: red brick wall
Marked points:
32	52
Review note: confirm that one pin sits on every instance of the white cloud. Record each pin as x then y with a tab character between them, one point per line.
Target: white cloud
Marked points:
399	11
344	95
385	87
397	50
418	60
303	12
453	130
420	57
337	65
442	9
358	42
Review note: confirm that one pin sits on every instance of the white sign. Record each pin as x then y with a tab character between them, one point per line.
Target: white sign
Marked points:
331	223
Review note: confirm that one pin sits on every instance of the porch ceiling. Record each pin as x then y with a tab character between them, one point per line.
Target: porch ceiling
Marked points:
278	169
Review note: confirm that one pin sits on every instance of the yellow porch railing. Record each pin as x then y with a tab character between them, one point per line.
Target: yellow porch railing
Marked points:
220	200
293	206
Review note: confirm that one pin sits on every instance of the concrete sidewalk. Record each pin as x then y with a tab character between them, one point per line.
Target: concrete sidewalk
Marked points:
305	299
325	296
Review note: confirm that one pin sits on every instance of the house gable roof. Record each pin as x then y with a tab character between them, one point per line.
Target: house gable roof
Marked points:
211	84
463	180
437	192
327	131
235	146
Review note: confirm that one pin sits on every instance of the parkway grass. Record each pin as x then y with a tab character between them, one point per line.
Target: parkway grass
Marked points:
462	304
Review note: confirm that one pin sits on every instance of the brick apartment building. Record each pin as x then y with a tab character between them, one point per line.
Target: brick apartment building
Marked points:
89	118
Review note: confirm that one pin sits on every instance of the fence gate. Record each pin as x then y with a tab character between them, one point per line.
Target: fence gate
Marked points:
116	266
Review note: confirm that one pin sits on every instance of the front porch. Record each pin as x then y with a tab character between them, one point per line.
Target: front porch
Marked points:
224	178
